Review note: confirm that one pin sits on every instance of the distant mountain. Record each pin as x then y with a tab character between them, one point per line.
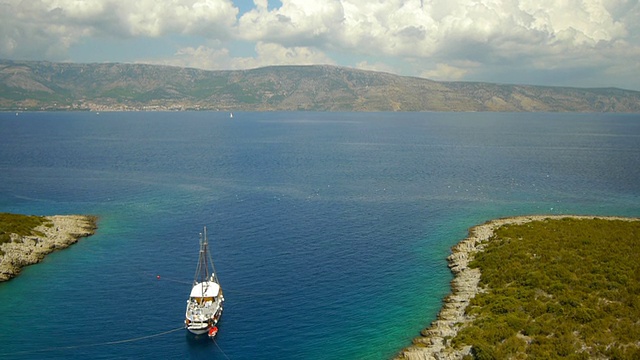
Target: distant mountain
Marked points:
26	85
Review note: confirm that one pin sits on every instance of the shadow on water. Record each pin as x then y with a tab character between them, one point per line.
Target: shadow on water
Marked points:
200	345
198	341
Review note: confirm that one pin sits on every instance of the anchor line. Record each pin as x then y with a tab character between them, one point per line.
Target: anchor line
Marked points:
219	348
70	347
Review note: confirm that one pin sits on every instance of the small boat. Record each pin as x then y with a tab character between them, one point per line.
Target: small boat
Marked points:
204	306
213	332
231	115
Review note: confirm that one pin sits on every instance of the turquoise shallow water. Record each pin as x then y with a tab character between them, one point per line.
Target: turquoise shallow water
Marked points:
329	230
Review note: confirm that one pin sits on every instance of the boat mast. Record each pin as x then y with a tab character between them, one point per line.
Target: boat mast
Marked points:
201	269
214	274
208	260
204	259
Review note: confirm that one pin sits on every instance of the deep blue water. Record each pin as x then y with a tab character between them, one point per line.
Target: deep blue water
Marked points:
329	230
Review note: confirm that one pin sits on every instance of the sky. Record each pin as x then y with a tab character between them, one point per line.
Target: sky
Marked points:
580	43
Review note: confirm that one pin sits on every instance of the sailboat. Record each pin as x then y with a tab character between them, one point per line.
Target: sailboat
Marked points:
204	306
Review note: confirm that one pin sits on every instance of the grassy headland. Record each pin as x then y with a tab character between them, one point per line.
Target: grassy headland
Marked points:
20	225
26	239
550	288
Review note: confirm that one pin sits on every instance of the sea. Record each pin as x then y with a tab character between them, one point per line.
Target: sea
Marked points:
329	230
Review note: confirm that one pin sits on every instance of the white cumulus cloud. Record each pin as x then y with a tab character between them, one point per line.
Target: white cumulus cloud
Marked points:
49	27
266	54
297	22
598	41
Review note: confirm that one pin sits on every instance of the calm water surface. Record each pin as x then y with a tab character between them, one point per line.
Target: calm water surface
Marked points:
329	230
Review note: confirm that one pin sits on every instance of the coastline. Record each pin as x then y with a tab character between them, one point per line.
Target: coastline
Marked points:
435	340
60	232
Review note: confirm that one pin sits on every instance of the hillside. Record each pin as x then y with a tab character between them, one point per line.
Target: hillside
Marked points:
67	86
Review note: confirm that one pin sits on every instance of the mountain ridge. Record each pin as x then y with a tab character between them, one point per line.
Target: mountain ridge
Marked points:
41	85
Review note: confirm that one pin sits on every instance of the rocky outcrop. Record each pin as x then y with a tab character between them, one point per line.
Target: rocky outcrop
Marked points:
58	232
435	342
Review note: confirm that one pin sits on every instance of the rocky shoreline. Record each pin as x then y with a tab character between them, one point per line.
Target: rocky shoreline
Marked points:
435	340
59	233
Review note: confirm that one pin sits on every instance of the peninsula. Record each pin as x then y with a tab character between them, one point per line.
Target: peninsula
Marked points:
541	286
25	240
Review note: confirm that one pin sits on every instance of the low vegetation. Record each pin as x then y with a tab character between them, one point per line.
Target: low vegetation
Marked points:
22	225
565	289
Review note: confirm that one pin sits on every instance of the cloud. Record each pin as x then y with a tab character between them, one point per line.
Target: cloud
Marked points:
462	39
201	57
448	72
48	28
274	54
377	66
296	22
266	54
440	37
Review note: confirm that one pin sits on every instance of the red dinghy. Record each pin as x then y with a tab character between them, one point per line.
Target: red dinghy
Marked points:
213	331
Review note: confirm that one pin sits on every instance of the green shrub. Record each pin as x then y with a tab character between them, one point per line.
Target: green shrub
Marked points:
483	351
567	285
21	225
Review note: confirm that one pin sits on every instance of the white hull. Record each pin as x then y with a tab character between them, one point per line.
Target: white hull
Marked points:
202	315
198	330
